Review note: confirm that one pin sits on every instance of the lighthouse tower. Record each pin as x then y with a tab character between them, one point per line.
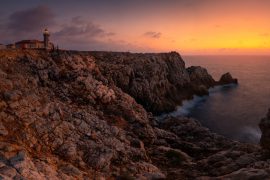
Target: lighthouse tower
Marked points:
46	36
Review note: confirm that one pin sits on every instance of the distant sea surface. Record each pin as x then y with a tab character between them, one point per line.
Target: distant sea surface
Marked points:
233	111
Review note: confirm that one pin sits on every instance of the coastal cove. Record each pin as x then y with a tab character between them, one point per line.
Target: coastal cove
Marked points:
234	112
135	90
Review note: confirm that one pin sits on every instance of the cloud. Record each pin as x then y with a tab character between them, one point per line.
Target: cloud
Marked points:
84	34
76	33
152	34
80	30
31	20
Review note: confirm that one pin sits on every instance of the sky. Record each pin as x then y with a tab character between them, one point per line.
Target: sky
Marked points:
191	27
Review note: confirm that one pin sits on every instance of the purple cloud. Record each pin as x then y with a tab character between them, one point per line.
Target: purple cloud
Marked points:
79	29
32	20
84	35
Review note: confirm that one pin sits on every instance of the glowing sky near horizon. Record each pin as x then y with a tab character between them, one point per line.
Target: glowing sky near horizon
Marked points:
186	26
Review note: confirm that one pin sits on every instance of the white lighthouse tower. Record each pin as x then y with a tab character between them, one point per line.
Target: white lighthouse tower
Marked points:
46	36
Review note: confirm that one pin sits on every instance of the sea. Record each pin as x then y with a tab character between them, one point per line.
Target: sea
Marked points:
234	110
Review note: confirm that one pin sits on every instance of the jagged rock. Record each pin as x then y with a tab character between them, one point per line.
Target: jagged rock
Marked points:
265	128
12	96
159	82
3	130
227	79
3	105
7	172
68	116
175	155
199	76
154	80
247	174
79	115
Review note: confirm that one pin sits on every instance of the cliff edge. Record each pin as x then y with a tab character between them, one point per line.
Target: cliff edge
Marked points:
81	115
157	81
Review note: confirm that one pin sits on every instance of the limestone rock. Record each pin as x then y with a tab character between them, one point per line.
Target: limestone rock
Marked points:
83	115
199	76
247	174
227	79
3	130
265	128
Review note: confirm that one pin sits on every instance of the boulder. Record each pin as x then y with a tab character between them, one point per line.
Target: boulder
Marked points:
227	79
199	76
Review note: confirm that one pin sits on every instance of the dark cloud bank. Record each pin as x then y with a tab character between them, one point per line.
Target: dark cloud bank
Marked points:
31	20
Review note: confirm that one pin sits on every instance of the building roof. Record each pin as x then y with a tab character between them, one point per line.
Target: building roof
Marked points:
28	41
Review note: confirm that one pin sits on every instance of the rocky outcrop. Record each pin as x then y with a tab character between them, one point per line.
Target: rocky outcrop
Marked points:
159	82
60	120
196	153
200	80
227	79
265	129
65	115
199	76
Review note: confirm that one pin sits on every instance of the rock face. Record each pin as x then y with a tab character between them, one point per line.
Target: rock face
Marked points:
58	111
66	115
227	79
200	80
157	81
265	128
199	76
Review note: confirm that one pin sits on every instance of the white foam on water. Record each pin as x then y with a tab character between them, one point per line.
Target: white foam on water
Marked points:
185	109
251	134
187	105
219	88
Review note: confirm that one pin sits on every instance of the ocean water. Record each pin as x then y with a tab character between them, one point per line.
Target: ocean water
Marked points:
236	110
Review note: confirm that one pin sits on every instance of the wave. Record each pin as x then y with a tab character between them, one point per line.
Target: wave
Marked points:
185	109
221	88
250	134
188	105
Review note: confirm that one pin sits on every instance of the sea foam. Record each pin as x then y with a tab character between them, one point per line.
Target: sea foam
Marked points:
188	105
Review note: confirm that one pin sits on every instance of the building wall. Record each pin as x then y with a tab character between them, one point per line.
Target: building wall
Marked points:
30	45
2	46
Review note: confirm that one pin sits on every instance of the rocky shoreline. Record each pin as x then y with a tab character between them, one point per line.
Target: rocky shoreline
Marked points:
90	115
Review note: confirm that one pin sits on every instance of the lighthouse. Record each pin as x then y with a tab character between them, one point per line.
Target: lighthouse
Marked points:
46	36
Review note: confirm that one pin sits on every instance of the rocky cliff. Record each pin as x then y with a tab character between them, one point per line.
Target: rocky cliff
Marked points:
159	82
81	115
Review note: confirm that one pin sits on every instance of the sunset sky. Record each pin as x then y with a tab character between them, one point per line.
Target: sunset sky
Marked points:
186	26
